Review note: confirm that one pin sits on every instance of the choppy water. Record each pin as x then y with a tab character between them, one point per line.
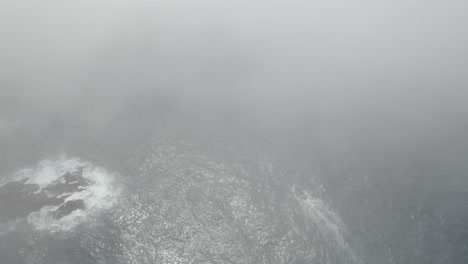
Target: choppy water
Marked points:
181	205
190	198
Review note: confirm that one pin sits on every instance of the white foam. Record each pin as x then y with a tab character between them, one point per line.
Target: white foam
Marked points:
101	194
329	224
48	171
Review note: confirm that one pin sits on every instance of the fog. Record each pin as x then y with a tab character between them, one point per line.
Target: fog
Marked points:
280	60
372	90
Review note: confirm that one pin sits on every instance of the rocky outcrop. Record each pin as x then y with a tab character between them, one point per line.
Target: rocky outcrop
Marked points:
19	198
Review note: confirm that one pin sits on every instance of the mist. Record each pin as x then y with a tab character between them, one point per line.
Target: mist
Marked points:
366	97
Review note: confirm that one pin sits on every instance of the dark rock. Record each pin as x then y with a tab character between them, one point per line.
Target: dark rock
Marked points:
18	198
68	207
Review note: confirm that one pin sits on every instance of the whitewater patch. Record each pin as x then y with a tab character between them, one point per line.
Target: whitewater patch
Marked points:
57	195
329	224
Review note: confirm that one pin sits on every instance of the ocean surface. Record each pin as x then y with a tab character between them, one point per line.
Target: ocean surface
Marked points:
129	194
